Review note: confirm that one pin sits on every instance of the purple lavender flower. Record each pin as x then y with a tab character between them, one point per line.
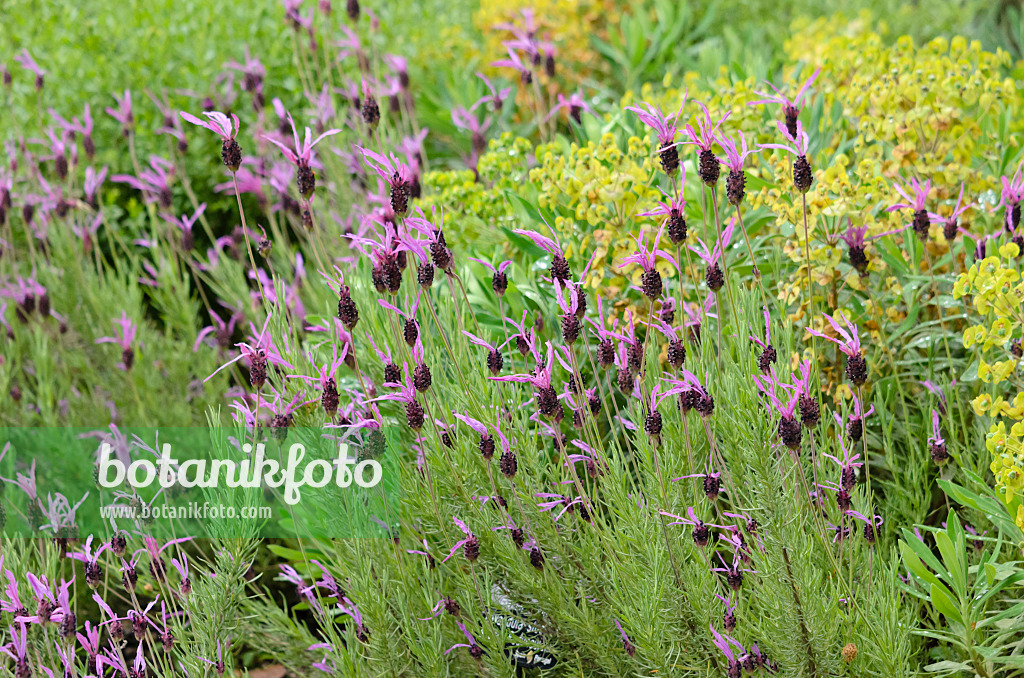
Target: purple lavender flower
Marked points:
515	62
803	177
124	338
90	560
398	176
627	644
936	443
547	398
227	129
855	424
922	221
951	223
559	265
736	182
704	138
768	353
789	427
575	104
259	354
186	224
302	156
123	112
713	276
470	545
871	525
665	127
725	645
475	651
495	361
647	258
486	444
733	572
674	211
414	414
17	650
495	97
790	107
218	665
499	280
849	343
29	64
701	530
1011	196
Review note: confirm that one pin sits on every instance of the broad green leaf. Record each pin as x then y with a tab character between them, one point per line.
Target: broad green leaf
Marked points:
925	553
942	599
914	564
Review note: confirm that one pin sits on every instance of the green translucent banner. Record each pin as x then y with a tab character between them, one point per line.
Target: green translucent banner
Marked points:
69	483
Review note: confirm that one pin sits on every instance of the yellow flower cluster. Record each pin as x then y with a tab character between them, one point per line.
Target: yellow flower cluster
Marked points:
902	111
569	25
996	292
476	210
596	189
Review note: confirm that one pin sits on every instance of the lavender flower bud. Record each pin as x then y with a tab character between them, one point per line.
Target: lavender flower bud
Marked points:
508	465
231	154
735	186
922	224
486	446
802	175
605	353
669	154
414	415
855	429
714	277
676	227
495	362
421	378
857	369
789	432
547	402
305	180
425	275
768	356
810	413
651	284
348	314
560	268
330	398
858	259
370	111
709	168
411	331
570	328
471	549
